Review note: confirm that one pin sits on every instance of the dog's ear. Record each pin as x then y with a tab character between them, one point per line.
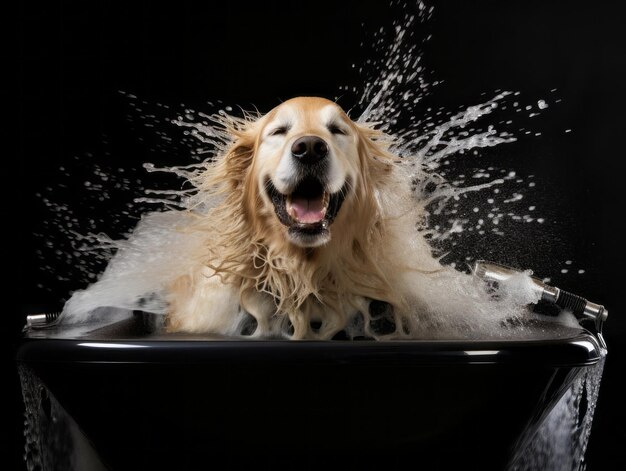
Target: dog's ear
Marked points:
238	160
373	149
230	169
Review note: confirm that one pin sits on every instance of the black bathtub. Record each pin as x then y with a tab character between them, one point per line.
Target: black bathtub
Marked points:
120	397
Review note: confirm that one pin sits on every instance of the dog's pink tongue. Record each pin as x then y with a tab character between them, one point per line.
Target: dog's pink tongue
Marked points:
308	211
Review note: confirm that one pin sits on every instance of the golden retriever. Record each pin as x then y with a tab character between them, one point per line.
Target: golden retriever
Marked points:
314	221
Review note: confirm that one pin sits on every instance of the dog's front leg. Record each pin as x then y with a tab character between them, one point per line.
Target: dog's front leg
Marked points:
262	307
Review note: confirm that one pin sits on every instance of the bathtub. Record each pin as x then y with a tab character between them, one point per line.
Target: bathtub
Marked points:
126	397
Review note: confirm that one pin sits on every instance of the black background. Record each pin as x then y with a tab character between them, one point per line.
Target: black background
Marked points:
75	57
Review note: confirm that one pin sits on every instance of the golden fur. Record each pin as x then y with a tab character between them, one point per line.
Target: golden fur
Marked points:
248	261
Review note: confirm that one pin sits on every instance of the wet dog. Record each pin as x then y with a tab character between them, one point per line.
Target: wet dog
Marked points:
314	219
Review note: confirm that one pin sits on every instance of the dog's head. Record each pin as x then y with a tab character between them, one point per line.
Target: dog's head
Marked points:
304	161
307	162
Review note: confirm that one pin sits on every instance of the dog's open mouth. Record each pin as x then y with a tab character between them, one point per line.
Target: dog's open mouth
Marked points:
309	208
308	203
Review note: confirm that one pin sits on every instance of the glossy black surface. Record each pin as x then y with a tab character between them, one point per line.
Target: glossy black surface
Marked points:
158	401
576	351
137	338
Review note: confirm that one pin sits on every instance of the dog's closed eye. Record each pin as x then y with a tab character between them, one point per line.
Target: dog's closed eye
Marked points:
279	131
334	128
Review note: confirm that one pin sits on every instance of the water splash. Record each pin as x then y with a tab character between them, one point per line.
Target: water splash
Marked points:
560	441
432	147
395	88
53	440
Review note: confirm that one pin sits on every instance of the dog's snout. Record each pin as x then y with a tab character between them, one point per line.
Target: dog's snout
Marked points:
309	149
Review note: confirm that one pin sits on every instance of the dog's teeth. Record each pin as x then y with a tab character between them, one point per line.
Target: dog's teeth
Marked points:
290	210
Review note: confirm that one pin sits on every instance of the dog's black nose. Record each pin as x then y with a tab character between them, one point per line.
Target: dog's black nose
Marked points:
309	149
